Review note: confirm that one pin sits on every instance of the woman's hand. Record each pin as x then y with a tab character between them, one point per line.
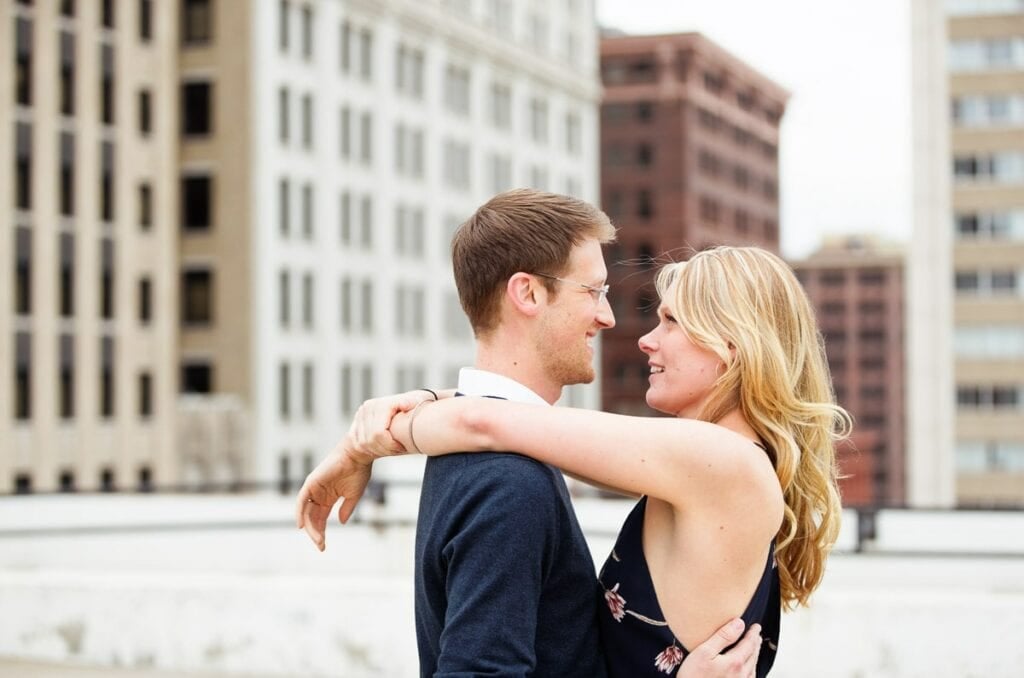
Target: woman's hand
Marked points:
370	435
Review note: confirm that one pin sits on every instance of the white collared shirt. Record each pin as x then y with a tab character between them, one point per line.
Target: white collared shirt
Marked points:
474	382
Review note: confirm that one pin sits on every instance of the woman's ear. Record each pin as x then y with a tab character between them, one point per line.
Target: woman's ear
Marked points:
525	293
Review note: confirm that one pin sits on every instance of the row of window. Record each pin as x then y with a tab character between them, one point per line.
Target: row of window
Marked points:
740	175
66	283
988	110
712	211
107	481
66	406
985	54
635	69
864	277
985	456
987	396
838	309
1006	225
981	7
741	138
994	282
989	341
1000	167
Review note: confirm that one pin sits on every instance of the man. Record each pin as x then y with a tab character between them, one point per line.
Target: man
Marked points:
505	583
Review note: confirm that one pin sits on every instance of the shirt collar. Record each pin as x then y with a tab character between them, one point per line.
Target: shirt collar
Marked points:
474	382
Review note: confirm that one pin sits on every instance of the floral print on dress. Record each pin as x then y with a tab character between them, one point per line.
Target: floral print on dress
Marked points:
616	603
669	659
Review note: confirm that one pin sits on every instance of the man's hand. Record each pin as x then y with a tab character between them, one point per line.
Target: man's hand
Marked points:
739	662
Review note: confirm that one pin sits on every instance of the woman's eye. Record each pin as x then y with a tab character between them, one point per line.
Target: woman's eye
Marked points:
669	318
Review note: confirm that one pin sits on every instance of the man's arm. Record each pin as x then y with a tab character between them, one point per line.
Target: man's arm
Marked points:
495	560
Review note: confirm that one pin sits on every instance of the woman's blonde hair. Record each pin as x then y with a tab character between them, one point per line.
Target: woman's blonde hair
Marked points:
745	305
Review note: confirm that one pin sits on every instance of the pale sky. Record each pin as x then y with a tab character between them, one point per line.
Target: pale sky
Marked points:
845	147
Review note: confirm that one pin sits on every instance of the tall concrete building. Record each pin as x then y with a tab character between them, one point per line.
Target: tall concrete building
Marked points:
89	246
689	159
967	267
856	286
309	162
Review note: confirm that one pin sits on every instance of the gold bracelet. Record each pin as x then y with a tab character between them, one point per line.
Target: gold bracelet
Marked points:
412	418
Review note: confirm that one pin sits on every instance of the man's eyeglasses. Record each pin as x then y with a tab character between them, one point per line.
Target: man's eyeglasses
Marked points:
598	293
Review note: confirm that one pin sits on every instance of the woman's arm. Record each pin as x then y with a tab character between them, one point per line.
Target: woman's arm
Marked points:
677	460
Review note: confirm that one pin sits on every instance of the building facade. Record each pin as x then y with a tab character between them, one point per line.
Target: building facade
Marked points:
966	297
309	162
89	248
689	159
986	90
856	286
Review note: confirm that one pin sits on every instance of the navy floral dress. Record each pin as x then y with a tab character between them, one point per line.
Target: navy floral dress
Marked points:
636	638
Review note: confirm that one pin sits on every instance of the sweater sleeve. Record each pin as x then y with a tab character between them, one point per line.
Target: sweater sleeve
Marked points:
498	555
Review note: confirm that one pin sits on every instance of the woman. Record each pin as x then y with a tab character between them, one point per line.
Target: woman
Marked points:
739	502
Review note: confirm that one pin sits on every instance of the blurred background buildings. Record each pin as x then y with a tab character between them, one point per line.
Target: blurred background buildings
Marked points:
227	223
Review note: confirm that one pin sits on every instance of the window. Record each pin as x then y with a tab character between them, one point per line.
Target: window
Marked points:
345	132
106	377
107	483
284	294
23	166
284	390
501	172
107	84
307	211
107	279
539	120
456	170
22	375
573	134
66	481
145	300
67	8
67	174
197	202
67	275
308	388
23	61
196	22
106	181
366	138
196	377
145	479
308	300
409	236
366	54
282	114
146	20
145	112
307	121
345	218
107	13
345	399
409	67
345	303
67	73
145	395
284	191
197	297
644	204
501	106
456	90
22	271
23	483
644	155
366	222
196	106
344	47
145	206
66	402
282	24
366	307
307	32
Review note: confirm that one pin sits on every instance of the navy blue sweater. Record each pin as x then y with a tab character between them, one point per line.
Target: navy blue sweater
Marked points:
505	583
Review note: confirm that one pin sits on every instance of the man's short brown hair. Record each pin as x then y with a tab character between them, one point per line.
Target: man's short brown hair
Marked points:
519	230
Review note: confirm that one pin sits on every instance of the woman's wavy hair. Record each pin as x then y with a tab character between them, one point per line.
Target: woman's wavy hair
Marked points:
745	305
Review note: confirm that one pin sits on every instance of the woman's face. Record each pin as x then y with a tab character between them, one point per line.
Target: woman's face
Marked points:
682	373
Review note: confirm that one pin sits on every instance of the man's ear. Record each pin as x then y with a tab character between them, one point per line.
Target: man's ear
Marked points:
525	293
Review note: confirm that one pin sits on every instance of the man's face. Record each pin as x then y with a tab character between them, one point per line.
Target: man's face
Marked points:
573	318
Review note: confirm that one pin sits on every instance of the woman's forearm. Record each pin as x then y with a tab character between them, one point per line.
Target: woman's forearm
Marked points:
447	426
